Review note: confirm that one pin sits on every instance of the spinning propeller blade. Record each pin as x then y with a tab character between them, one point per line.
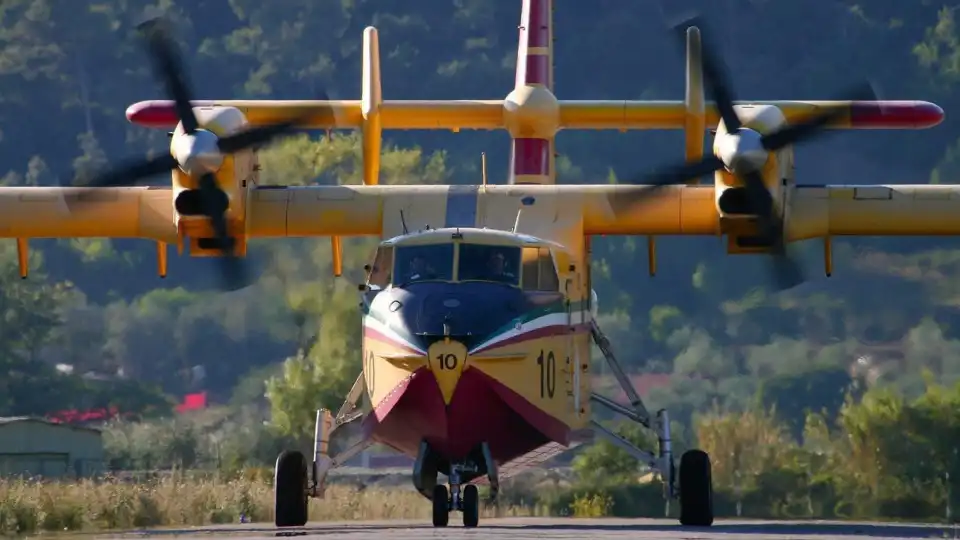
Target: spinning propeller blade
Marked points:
169	68
786	272
124	175
214	201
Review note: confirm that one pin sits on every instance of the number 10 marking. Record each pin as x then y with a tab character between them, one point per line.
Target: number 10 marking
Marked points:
548	374
447	361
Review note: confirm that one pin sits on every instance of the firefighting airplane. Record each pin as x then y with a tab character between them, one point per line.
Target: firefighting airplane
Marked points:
478	307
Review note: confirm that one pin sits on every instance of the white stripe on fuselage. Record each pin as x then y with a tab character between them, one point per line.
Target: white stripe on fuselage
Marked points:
553	319
388	332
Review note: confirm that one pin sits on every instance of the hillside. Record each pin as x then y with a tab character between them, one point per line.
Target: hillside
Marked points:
68	70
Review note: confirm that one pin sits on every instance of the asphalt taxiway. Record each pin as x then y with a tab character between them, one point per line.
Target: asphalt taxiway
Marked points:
564	528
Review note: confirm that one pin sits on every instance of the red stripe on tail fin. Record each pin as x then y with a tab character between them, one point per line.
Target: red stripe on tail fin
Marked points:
532	160
535	47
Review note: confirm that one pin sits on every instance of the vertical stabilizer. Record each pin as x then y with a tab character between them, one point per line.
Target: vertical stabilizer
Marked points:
532	159
370	102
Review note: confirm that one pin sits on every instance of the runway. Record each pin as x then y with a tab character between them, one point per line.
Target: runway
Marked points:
565	528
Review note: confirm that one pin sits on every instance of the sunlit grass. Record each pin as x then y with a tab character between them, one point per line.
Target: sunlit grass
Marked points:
27	507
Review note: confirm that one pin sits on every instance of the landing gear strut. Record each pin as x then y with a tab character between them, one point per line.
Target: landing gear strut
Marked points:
693	484
464	499
293	485
461	494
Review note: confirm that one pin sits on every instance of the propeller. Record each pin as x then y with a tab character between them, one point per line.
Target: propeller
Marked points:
198	152
744	151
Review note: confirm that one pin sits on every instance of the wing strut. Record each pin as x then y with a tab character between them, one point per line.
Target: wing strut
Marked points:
660	462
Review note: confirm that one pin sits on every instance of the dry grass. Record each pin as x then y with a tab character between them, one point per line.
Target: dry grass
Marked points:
27	507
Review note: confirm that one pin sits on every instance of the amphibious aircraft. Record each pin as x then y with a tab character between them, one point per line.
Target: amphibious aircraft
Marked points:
478	306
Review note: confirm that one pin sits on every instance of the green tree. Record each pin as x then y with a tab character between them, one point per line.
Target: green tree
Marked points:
30	310
604	463
794	395
322	375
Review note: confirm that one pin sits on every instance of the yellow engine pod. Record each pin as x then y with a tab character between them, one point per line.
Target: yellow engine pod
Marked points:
735	215
770	173
232	178
731	200
446	359
763	119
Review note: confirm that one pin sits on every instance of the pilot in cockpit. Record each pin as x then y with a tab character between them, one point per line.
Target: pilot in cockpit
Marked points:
497	270
420	269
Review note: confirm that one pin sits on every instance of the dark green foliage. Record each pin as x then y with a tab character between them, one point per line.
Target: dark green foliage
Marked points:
813	390
68	70
883	455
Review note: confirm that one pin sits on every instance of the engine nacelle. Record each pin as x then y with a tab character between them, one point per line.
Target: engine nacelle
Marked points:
737	219
237	173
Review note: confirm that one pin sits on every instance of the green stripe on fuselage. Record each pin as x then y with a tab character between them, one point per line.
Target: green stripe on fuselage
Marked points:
549	309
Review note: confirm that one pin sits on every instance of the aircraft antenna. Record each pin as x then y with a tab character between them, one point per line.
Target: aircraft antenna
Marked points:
403	222
526	201
483	169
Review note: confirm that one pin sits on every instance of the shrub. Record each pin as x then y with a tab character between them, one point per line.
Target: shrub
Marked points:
29	507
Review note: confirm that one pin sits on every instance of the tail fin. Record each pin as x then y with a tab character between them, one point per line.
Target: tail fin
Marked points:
535	48
532	160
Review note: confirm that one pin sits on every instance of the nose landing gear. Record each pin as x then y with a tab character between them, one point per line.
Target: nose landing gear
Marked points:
464	499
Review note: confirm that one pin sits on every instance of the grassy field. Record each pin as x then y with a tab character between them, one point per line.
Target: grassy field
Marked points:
28	507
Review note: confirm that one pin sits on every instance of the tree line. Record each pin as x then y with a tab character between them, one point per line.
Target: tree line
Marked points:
68	71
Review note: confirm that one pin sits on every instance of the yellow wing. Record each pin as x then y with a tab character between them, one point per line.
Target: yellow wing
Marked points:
455	115
357	210
814	211
530	111
344	114
53	212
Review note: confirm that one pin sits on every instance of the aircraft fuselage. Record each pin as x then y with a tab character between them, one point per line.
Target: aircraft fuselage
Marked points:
445	399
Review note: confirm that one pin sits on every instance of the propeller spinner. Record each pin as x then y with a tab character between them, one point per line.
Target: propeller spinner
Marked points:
743	152
196	151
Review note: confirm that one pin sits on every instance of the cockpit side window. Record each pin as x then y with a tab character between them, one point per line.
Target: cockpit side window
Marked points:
549	281
539	273
531	268
382	268
429	262
481	262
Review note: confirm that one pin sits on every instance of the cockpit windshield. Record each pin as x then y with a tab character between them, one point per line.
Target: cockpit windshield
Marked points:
429	262
480	262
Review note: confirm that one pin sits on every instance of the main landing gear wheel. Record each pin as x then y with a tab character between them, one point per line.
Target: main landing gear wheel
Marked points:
441	506
471	505
290	490
696	489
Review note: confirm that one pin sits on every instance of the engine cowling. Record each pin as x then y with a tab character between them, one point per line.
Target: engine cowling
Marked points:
234	173
737	219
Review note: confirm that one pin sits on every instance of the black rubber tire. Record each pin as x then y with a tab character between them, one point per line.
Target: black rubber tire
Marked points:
290	500
471	506
696	489
441	506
